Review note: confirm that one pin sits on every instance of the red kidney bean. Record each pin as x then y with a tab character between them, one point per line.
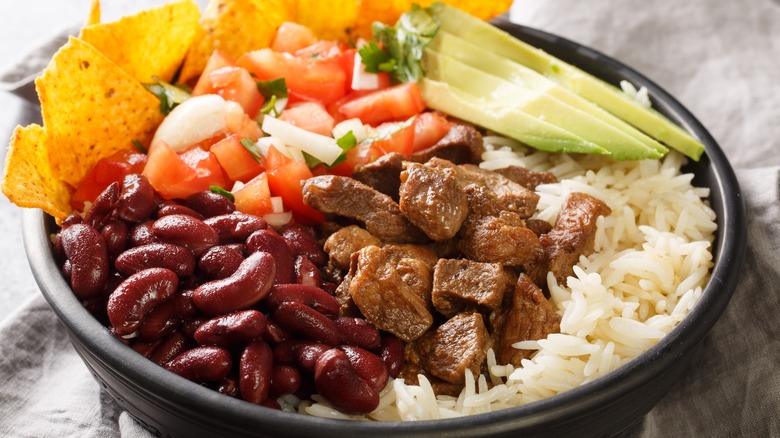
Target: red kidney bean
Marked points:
311	296
220	261
284	380
391	351
339	383
329	287
210	204
188	326
170	347
254	374
235	227
272	243
136	200
156	255
358	332
231	329
299	352
202	364
169	208
229	387
248	285
97	307
115	234
306	322
303	243
86	250
306	272
67	270
137	295
191	233
271	404
103	205
275	334
165	318
71	219
141	234
368	366
145	348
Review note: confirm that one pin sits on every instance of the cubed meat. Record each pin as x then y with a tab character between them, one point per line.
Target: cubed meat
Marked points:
461	144
383	174
458	345
527	317
341	244
432	200
526	177
347	197
573	235
386	301
415	264
538	226
463	284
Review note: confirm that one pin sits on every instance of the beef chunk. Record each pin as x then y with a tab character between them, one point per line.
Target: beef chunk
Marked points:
412	369
464	284
350	198
432	200
458	345
383	297
526	177
512	196
538	226
528	316
573	235
341	244
398	251
414	263
461	144
492	235
384	174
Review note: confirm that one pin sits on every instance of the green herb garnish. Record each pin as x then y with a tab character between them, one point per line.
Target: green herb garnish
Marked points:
376	60
220	191
274	87
406	41
140	147
251	147
170	95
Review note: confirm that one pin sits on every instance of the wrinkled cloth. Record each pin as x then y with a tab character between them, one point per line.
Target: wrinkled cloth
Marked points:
720	59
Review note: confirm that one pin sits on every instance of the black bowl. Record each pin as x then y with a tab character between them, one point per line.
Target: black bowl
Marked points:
171	406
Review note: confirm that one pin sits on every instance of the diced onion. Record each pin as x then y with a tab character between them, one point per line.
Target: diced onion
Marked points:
354	125
318	146
277	220
195	120
277	204
361	79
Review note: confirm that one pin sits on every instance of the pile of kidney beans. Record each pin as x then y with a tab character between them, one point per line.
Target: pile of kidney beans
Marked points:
222	299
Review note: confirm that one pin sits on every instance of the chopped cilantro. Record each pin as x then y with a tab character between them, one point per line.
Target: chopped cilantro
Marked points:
251	147
170	95
274	87
375	59
406	41
270	107
140	147
345	142
220	191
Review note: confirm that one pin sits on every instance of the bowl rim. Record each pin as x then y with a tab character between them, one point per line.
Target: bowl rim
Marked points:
178	394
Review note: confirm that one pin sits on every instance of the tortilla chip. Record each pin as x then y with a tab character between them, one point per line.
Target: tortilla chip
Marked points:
94	13
341	15
150	43
27	177
235	27
91	108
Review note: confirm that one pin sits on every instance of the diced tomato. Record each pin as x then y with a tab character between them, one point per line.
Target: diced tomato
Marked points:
360	154
390	104
236	161
429	127
286	182
275	159
254	197
180	175
308	79
167	172
320	49
311	116
396	137
106	171
291	37
222	77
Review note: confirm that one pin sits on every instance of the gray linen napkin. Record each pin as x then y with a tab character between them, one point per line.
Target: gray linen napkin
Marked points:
721	60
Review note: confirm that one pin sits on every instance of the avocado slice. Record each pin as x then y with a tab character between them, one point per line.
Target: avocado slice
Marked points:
589	87
472	55
508	121
493	93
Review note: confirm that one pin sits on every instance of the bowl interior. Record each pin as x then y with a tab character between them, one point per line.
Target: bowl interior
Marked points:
172	405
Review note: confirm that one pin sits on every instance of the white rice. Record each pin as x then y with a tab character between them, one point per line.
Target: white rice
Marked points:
652	259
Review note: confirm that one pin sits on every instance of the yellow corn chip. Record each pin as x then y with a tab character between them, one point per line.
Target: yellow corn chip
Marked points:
235	27
150	43
27	176
94	13
328	19
91	108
